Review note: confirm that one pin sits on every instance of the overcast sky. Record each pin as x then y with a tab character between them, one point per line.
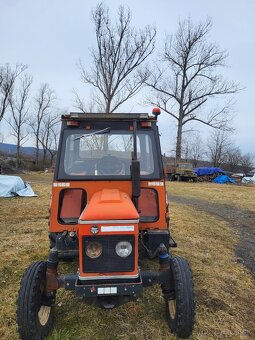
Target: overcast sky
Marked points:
52	35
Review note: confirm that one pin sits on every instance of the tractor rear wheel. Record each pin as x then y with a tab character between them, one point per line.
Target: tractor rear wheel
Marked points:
34	314
180	306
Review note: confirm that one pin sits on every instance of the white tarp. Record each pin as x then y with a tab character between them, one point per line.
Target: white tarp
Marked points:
13	185
249	179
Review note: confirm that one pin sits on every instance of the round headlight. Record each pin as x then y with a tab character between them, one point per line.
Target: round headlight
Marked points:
93	249
123	248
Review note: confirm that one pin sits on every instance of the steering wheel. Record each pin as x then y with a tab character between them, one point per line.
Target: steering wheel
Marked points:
109	165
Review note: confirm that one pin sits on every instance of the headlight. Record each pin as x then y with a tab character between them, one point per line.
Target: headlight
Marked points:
123	248
93	249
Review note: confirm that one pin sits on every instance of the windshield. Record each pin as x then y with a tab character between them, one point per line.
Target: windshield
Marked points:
106	154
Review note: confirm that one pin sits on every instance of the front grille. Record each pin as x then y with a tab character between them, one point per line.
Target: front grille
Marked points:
108	261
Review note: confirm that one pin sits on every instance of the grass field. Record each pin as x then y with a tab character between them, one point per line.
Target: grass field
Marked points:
224	286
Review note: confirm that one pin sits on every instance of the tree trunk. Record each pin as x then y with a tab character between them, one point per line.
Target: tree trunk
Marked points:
18	156
37	151
195	163
44	157
51	159
18	150
178	143
108	106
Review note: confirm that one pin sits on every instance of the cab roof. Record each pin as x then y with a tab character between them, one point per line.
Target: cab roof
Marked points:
106	116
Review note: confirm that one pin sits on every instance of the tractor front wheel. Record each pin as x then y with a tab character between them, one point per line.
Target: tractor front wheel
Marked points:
34	312
180	304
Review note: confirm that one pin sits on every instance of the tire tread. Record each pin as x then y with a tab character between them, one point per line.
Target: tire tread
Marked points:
182	324
27	304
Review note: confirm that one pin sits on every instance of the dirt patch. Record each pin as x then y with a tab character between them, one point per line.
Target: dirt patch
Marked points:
242	221
213	304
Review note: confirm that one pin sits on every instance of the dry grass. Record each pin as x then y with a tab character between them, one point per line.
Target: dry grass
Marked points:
224	288
240	196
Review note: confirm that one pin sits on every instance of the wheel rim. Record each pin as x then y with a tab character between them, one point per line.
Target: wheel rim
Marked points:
44	311
44	314
172	308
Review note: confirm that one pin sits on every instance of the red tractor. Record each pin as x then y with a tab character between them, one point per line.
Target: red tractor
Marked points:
108	203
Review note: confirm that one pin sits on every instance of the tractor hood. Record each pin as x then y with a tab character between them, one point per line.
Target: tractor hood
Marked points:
109	205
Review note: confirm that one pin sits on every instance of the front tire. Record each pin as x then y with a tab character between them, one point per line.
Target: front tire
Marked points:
34	315
180	305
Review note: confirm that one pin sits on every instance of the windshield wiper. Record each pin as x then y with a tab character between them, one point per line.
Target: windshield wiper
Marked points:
100	132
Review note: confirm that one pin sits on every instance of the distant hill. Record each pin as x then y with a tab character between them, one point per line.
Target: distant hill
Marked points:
10	149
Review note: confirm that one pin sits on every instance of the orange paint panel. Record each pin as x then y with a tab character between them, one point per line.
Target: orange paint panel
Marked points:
91	187
148	205
109	204
71	203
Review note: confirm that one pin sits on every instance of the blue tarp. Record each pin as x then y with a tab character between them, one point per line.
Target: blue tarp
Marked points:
223	179
13	185
203	171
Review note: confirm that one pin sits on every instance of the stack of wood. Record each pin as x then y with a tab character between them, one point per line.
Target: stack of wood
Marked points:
207	178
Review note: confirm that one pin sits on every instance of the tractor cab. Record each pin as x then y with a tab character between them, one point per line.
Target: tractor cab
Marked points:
108	203
108	156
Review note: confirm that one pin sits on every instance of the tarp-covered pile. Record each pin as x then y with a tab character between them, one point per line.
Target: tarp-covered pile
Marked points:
205	171
14	186
207	174
223	179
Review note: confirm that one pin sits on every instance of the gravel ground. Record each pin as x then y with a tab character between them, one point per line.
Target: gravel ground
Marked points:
242	222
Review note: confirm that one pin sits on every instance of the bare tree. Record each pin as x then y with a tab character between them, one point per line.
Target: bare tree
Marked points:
88	107
233	158
197	150
218	145
53	141
222	151
247	162
44	102
47	134
117	72
8	77
192	147
185	87
236	161
19	107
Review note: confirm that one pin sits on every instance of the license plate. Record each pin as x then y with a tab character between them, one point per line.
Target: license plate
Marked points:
107	290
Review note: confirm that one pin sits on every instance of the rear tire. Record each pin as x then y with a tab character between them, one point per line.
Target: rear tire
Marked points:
180	308
34	317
